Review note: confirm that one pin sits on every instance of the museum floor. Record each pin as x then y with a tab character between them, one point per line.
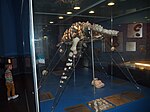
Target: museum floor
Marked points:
122	96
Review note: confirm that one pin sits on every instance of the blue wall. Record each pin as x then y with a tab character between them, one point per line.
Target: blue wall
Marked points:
14	37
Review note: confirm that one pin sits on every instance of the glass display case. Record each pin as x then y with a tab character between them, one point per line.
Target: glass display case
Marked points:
72	35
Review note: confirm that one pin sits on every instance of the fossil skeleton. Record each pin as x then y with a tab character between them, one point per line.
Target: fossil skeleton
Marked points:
79	32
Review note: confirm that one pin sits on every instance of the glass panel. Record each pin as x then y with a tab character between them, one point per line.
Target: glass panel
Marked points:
71	41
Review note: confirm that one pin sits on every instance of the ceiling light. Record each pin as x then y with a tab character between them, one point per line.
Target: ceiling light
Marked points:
69	12
61	17
111	4
76	8
51	22
91	12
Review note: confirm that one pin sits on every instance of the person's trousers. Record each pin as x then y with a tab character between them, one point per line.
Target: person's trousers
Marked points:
10	89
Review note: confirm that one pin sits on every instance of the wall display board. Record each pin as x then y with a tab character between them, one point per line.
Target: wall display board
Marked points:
130	46
135	30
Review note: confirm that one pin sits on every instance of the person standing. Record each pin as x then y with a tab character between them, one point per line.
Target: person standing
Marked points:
10	83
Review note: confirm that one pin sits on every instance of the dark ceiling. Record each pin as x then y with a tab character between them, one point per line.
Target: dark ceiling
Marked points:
49	10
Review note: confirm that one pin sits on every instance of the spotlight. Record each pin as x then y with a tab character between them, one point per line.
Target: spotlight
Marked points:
61	17
69	12
111	4
51	22
76	8
91	12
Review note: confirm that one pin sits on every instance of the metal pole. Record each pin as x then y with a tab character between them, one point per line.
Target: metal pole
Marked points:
73	15
92	47
74	72
32	48
93	68
111	41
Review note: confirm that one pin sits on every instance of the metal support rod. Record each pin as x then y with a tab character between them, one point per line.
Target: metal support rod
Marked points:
22	3
32	48
111	41
74	70
92	50
73	15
